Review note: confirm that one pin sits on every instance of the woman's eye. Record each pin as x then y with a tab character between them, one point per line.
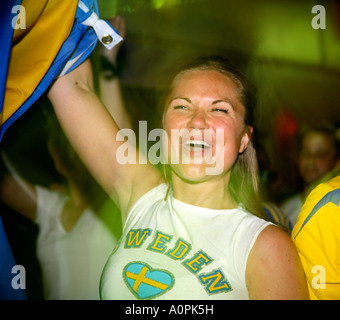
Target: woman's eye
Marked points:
221	110
180	107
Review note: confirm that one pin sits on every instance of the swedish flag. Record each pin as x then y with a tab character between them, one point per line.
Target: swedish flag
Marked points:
39	41
48	39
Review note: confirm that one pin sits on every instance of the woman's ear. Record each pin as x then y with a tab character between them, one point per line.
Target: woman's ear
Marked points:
248	131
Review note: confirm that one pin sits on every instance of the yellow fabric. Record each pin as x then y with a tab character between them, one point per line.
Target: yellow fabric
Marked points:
33	10
48	24
318	243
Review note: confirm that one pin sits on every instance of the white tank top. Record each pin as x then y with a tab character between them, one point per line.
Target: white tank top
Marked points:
172	250
72	262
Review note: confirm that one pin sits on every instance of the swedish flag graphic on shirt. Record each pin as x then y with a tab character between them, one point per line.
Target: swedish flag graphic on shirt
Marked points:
145	282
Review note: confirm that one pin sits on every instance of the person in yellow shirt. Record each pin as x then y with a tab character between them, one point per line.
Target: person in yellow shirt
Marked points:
317	238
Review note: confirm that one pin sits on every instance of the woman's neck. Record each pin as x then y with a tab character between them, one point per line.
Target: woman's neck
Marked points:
73	208
75	195
213	194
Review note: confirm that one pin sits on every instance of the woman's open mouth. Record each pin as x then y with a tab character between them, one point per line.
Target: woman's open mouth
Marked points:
196	145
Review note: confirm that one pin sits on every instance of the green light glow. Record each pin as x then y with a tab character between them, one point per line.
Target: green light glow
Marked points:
158	4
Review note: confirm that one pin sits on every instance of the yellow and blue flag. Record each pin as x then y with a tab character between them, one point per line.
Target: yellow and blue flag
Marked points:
43	40
40	41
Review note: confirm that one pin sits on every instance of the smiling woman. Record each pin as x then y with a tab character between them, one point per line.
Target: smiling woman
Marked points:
188	234
197	111
226	106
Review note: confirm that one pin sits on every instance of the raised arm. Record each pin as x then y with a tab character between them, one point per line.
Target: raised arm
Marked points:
92	132
109	84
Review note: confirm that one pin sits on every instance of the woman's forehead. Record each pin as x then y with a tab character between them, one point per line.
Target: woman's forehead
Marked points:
204	81
201	72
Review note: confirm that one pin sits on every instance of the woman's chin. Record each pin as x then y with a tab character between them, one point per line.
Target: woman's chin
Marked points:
191	173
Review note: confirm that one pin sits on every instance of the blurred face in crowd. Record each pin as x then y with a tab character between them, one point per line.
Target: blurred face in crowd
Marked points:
317	156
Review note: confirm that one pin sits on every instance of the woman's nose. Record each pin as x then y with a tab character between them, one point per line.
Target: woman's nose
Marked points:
198	120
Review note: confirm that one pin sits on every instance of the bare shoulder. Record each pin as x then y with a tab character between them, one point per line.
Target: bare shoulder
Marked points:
271	238
274	270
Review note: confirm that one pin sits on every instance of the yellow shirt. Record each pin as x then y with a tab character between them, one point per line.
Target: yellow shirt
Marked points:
317	238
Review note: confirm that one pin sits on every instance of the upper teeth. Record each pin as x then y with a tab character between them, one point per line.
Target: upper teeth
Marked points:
195	143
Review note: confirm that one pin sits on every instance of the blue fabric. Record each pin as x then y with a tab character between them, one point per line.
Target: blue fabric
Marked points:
82	39
6	35
7	262
6	257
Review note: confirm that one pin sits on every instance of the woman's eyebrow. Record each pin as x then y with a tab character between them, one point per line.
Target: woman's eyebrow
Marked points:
180	98
228	101
225	100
